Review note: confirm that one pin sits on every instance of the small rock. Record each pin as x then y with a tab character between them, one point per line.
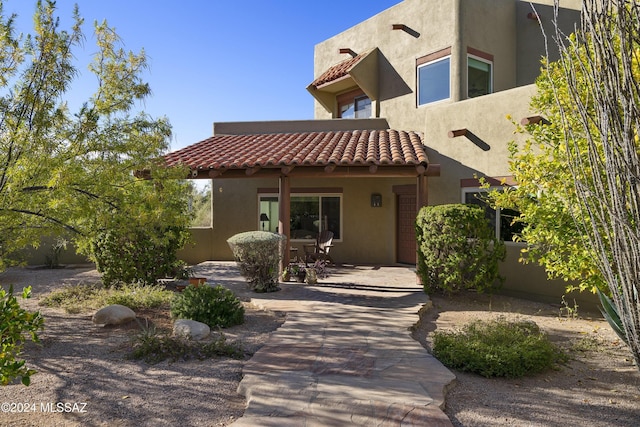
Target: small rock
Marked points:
115	314
191	329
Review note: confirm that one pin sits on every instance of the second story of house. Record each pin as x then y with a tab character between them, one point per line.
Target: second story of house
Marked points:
423	53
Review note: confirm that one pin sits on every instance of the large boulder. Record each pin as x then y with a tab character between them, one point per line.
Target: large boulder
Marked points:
191	329
115	314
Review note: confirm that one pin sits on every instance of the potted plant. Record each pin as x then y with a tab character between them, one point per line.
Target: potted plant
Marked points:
286	274
311	276
197	281
299	272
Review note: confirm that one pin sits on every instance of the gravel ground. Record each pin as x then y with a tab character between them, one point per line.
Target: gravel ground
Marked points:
599	386
81	363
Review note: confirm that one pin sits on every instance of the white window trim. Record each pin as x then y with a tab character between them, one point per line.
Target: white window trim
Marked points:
418	81
466	190
339	195
486	61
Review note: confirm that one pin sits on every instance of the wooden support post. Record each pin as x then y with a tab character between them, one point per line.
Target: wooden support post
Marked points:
284	224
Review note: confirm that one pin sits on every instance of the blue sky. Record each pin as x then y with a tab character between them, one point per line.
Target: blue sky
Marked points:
212	60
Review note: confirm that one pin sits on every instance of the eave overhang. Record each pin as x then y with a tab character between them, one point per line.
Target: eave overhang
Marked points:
361	71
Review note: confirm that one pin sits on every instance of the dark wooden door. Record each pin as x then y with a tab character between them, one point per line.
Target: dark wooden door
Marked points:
405	229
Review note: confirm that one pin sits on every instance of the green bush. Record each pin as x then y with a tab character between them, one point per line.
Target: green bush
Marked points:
138	255
16	326
457	249
497	348
74	298
214	306
84	297
258	255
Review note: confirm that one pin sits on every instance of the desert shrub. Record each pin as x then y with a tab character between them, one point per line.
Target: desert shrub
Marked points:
73	298
138	296
258	255
497	348
214	306
457	249
138	254
16	326
153	347
84	297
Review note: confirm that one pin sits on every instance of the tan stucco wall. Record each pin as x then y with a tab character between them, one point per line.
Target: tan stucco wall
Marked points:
38	256
485	153
530	44
368	234
497	27
199	249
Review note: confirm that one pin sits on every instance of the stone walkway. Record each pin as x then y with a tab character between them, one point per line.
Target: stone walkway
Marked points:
344	355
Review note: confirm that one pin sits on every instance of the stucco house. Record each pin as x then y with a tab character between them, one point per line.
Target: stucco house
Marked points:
410	108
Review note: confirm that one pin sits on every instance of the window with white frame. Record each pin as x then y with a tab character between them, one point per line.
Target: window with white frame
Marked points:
434	80
502	220
479	76
310	214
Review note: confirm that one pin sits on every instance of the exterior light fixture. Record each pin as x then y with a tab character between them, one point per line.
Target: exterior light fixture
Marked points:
376	200
263	219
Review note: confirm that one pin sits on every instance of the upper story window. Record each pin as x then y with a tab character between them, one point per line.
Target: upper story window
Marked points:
480	77
354	105
434	77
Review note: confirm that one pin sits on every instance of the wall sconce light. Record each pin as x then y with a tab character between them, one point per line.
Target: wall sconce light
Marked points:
376	200
263	219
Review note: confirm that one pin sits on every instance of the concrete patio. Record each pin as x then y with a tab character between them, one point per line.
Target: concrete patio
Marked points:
344	355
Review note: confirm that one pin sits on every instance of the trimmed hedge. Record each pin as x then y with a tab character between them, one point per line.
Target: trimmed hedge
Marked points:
457	249
258	254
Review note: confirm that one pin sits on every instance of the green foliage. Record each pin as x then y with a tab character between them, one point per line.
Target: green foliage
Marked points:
69	172
457	249
547	203
142	255
16	326
215	306
73	298
152	348
546	195
84	297
258	254
610	313
136	296
497	348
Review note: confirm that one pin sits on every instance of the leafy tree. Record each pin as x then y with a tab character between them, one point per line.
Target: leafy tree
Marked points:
64	171
16	326
580	176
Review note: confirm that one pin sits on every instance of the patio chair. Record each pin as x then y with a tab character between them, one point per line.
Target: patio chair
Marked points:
320	249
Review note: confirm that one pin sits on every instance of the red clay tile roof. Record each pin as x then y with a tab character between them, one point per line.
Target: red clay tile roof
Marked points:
337	71
342	148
